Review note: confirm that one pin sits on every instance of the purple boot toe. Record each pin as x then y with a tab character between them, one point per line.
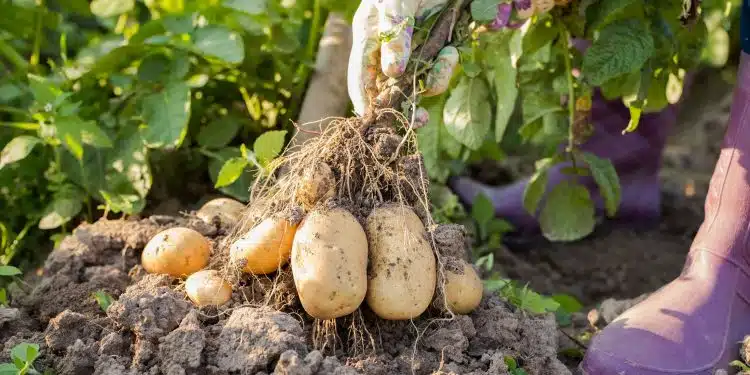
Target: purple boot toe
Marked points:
694	324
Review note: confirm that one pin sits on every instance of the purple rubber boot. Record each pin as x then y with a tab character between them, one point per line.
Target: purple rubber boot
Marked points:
636	157
693	325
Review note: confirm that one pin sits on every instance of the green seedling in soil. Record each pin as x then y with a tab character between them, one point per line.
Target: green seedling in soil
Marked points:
521	296
513	367
23	356
489	231
8	272
103	299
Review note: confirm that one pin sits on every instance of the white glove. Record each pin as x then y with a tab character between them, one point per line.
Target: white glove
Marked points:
388	25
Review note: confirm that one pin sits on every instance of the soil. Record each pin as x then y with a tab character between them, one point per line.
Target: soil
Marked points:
152	328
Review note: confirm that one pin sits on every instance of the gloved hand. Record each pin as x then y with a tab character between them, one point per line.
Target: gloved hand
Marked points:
387	26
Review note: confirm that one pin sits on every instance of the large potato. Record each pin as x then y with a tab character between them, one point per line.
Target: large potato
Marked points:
403	275
463	291
228	211
329	263
264	248
207	287
176	252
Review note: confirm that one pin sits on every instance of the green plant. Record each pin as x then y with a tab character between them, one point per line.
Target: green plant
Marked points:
103	299
529	90
23	356
110	101
513	367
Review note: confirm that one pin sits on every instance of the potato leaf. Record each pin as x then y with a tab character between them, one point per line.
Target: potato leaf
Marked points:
269	145
219	132
607	179
17	149
9	271
254	7
467	113
60	211
231	171
25	352
111	8
220	43
484	10
166	114
568	213
622	47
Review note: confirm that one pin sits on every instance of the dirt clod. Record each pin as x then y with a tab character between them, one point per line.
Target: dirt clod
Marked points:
450	240
67	328
180	351
253	338
150	308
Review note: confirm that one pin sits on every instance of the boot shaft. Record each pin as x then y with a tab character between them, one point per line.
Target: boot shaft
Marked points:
727	207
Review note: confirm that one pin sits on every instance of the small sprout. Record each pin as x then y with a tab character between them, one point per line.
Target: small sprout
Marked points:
9	271
23	356
103	299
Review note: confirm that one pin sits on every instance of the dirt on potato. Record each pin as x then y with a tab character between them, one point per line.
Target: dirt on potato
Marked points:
152	328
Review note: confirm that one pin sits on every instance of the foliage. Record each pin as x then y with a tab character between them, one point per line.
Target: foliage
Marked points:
103	299
23	356
528	89
109	106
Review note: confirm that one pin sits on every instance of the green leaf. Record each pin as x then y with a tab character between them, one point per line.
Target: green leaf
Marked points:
738	363
60	211
17	149
537	185
111	8
103	299
433	138
220	43
606	178
269	145
536	104
622	47
74	132
540	33
635	119
506	93
231	171
128	204
467	113
482	211
160	67
484	10
9	271
254	7
3	299
568	303
602	11
44	91
166	114
568	213
8	369
25	352
219	132
240	188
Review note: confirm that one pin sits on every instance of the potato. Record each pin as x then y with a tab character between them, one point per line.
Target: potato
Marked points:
207	287
403	275
264	248
463	292
316	185
228	211
543	6
176	252
329	263
526	13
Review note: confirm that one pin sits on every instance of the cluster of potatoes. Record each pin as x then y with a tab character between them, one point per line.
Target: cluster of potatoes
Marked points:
336	262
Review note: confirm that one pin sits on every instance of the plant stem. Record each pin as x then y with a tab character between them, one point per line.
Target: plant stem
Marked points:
34	60
312	38
303	72
15	58
15	111
20	125
571	90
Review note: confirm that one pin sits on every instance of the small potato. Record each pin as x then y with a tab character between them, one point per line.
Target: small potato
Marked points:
403	275
526	13
207	287
329	263
316	185
228	211
463	292
176	252
264	248
543	6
